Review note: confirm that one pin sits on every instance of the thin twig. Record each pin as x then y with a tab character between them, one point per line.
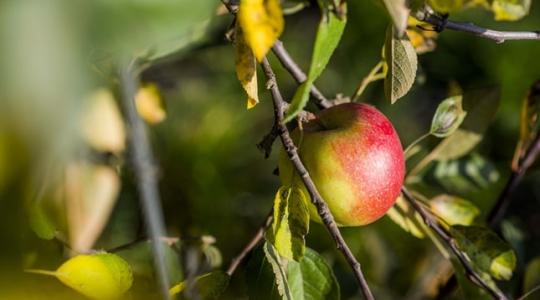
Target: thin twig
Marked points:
441	23
499	209
451	243
316	199
145	172
299	76
250	245
372	76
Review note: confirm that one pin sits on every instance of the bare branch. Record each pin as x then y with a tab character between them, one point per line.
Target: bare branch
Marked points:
250	245
441	23
451	243
145	171
316	198
500	207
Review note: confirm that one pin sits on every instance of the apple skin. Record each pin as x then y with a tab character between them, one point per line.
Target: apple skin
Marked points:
355	158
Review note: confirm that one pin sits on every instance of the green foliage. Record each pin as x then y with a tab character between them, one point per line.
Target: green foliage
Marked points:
207	286
448	117
454	210
40	222
406	217
531	279
489	253
329	33
402	62
290	224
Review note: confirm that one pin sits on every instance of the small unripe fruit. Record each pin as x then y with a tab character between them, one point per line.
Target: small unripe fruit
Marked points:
355	159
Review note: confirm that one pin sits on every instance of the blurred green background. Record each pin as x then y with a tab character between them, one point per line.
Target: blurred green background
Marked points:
213	180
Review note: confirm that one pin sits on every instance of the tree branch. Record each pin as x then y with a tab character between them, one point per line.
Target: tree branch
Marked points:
451	243
441	23
145	173
500	207
250	245
316	198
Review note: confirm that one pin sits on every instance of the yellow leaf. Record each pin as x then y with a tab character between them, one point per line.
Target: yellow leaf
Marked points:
262	23
91	192
422	40
149	103
246	69
102	125
102	276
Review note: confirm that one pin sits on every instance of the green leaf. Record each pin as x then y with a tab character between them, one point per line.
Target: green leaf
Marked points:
487	252
40	222
290	223
406	217
208	286
445	6
454	210
448	117
467	288
510	10
260	279
279	268
311	278
532	275
529	122
399	12
401	60
464	175
328	36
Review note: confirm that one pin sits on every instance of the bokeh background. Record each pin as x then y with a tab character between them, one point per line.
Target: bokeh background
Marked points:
213	180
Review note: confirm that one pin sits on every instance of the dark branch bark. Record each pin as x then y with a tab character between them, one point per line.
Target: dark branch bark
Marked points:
316	198
442	23
145	171
500	207
451	243
250	245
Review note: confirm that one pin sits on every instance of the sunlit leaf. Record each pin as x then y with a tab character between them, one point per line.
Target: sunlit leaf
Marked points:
102	124
290	223
262	23
91	192
311	278
97	276
279	267
510	10
208	286
149	103
486	250
246	69
329	33
531	278
529	122
445	6
448	117
399	12
406	217
401	60
454	210
40	222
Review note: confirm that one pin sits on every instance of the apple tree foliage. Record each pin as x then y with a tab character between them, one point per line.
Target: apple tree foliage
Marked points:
444	169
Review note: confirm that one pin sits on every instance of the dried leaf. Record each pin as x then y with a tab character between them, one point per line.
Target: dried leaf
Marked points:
149	103
91	192
262	23
102	125
401	59
246	68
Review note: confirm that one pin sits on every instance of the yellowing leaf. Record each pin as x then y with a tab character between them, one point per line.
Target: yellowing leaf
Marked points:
402	62
454	210
423	41
102	276
262	23
406	217
445	6
91	192
149	103
510	10
102	125
246	68
529	123
290	224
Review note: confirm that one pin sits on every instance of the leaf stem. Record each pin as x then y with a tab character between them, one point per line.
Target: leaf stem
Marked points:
418	140
371	77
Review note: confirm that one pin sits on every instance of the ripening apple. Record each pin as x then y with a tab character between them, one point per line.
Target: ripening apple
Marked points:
354	156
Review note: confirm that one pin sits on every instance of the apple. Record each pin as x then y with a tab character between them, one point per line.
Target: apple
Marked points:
355	158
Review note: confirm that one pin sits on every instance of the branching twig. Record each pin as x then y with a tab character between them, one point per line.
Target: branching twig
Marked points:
299	76
316	198
252	243
441	23
451	243
145	172
498	210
